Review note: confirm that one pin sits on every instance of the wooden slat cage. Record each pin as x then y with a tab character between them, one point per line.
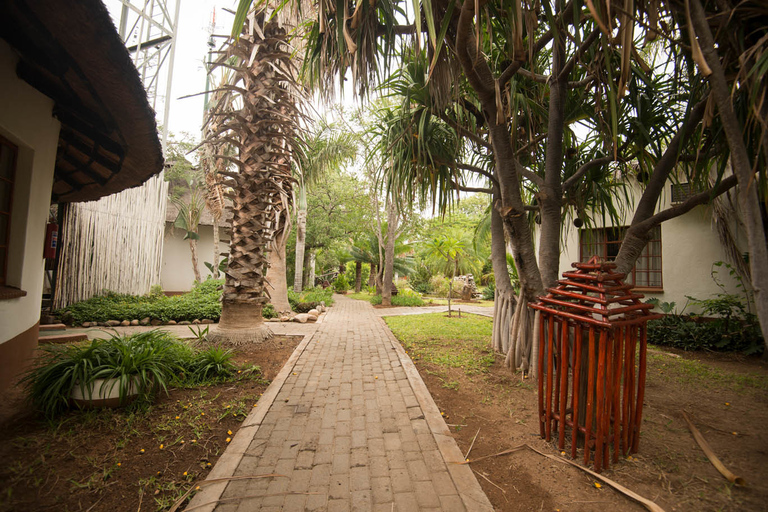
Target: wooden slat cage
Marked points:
592	362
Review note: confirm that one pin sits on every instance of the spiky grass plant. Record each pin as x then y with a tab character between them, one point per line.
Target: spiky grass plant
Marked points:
144	362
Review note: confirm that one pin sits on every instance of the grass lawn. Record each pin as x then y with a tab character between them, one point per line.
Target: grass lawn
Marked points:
437	301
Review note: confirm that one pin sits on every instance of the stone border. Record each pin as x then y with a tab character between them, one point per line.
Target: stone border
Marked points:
463	478
207	499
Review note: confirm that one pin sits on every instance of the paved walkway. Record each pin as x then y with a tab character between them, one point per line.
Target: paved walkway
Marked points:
347	425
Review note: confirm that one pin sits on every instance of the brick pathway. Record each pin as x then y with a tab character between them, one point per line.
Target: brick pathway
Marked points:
348	425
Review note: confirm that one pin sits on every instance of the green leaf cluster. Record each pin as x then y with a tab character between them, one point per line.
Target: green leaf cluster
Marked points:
142	363
204	301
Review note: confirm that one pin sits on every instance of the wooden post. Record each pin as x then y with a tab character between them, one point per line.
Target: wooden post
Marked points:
575	393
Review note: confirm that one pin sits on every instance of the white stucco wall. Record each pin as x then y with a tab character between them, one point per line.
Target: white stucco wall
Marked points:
176	274
26	120
689	246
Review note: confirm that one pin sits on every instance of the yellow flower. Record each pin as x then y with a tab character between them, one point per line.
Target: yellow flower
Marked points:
202	414
294	373
229	439
598	486
209	464
185	473
162	446
239	371
727	403
227	407
185	406
197	488
193	441
376	377
229	432
119	464
182	441
562	453
179	417
141	451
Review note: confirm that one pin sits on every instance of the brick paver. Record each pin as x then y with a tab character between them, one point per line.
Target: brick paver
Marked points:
350	427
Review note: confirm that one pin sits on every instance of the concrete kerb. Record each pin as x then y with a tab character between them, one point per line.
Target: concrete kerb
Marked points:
207	498
463	478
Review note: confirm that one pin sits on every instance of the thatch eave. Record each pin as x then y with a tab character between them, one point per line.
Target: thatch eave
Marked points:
72	53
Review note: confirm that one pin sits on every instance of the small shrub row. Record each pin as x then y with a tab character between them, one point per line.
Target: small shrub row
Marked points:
204	301
310	295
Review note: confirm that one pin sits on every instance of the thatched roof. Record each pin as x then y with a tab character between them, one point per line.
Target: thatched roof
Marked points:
72	53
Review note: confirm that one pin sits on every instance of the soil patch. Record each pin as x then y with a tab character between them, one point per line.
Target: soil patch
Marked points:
726	396
105	460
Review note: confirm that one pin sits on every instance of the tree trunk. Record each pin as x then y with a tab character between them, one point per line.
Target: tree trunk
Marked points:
504	299
358	276
372	276
551	193
215	248
742	168
276	272
301	235
312	261
389	255
195	266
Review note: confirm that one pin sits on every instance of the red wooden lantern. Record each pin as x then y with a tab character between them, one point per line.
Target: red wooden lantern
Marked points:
592	360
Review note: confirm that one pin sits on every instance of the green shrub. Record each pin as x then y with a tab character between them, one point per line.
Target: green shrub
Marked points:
210	364
204	301
268	311
439	286
149	361
315	295
489	292
407	300
375	300
340	284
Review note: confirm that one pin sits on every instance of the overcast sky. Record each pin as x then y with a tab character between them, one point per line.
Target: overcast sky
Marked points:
191	50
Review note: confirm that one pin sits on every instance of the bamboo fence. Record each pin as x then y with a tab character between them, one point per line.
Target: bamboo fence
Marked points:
115	244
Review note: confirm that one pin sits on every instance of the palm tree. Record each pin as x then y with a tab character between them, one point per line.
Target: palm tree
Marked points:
263	131
188	219
325	149
450	249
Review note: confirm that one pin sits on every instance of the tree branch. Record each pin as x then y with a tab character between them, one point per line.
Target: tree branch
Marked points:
573	180
693	201
532	176
463	188
478	170
464	132
590	39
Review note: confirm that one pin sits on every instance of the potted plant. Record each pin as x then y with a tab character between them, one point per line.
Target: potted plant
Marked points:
106	372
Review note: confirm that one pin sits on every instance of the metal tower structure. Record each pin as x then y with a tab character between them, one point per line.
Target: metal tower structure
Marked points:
149	29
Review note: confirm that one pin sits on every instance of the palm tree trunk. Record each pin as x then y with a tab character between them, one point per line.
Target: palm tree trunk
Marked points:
215	248
263	182
195	266
372	276
504	299
358	276
301	236
312	262
276	272
389	255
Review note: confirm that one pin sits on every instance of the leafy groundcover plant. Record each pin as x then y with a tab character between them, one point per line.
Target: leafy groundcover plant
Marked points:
141	364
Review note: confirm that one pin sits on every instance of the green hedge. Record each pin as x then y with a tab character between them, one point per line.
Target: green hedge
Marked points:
308	299
202	302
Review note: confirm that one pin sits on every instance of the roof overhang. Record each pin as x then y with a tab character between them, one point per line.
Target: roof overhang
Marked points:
72	53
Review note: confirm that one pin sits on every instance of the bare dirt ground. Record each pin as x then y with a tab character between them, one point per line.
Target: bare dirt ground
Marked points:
109	460
725	395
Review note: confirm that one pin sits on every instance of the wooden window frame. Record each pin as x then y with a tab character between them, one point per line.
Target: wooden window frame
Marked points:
604	245
5	244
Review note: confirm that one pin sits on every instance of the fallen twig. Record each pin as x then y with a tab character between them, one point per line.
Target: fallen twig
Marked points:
472	444
505	452
493	484
737	480
653	507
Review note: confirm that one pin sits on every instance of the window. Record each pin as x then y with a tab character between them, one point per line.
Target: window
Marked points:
7	174
605	243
